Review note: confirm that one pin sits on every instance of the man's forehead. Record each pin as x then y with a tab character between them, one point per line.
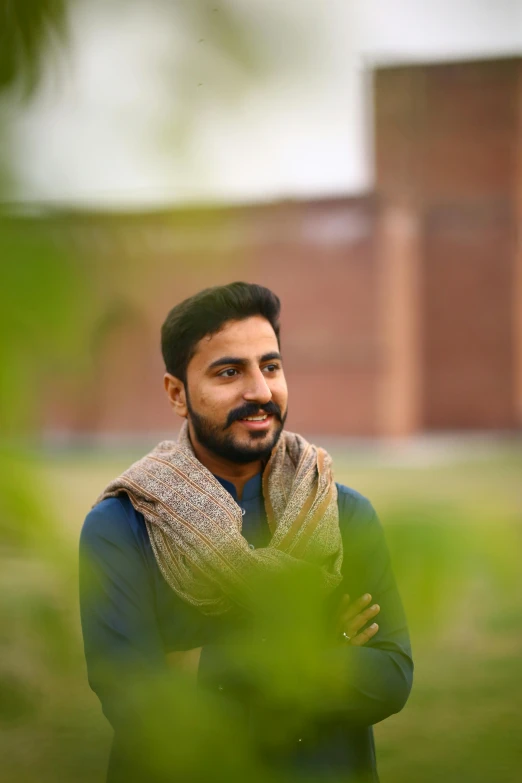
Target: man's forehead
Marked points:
248	338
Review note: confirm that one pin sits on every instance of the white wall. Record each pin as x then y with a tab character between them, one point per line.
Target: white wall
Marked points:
108	131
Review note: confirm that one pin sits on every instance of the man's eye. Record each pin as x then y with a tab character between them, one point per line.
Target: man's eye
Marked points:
271	367
228	373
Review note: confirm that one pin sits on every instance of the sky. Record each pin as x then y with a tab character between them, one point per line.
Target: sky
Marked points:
140	113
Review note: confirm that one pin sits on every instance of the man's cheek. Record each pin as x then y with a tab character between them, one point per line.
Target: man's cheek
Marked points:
206	401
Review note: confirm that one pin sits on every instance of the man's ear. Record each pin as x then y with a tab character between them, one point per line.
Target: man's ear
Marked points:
176	393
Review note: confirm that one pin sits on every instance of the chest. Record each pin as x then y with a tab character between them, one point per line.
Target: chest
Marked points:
182	626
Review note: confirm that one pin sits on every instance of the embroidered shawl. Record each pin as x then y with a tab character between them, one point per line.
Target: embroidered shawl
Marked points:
194	524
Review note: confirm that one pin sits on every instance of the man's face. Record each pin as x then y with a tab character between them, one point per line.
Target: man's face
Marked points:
236	374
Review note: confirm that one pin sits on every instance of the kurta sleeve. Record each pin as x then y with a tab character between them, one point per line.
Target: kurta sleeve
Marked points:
120	631
377	677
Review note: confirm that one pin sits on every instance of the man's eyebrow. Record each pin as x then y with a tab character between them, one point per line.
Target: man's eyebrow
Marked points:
238	362
267	357
227	360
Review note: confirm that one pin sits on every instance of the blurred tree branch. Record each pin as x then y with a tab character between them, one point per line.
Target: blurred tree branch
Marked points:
28	29
31	29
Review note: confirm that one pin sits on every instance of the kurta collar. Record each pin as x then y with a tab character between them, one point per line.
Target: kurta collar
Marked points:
252	489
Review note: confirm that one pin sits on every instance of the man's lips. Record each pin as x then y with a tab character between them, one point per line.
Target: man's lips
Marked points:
260	425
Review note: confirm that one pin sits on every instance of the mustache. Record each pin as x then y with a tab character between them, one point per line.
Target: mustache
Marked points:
252	409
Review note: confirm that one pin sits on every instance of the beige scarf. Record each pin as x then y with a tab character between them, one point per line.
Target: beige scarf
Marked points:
194	524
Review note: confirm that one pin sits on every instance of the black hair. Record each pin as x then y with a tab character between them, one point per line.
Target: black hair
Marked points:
206	313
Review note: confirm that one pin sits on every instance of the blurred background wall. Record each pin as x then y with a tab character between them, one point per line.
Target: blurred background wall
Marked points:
401	304
379	199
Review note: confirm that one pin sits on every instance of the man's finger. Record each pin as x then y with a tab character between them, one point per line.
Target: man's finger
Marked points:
358	622
357	606
349	611
343	607
364	636
345	602
352	624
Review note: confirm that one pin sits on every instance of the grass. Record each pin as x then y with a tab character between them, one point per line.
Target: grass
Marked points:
455	533
462	722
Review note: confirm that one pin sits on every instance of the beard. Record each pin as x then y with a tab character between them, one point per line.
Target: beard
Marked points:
220	441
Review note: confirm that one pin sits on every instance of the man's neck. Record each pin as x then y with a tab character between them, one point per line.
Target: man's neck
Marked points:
238	475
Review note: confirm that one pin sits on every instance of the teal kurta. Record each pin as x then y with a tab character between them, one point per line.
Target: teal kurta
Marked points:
131	618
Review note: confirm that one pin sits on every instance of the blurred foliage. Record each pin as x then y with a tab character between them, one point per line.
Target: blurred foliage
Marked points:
29	29
46	299
462	586
219	48
44	304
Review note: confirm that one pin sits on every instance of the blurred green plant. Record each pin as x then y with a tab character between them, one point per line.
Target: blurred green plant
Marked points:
46	301
29	30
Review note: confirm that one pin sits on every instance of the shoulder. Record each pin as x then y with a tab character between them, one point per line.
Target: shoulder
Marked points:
112	521
360	526
354	508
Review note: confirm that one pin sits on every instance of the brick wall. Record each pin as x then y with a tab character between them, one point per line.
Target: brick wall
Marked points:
317	256
447	149
402	311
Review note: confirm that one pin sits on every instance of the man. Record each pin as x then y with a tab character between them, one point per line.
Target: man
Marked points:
236	544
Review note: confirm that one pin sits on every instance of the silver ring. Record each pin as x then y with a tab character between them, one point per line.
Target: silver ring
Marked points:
345	636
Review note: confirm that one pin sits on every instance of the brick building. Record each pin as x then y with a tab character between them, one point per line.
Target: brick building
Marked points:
402	309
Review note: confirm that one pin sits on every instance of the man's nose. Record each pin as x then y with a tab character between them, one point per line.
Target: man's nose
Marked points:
257	389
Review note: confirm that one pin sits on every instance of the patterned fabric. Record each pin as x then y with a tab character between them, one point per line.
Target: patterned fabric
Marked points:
194	524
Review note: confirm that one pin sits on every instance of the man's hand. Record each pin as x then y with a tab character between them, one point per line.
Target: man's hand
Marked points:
353	616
